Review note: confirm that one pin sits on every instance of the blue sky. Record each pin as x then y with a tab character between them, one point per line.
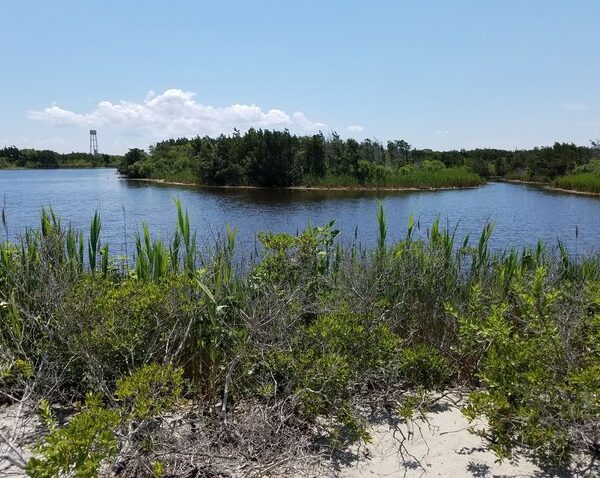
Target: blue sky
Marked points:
441	74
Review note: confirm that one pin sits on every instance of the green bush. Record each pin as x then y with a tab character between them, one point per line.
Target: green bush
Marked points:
537	372
150	390
79	448
111	328
432	165
332	356
424	366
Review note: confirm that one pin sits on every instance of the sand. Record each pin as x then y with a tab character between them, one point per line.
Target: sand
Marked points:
20	425
440	446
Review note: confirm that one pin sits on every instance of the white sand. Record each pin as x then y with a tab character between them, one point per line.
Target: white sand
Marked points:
21	426
441	447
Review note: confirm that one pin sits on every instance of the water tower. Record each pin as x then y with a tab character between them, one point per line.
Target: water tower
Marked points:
93	142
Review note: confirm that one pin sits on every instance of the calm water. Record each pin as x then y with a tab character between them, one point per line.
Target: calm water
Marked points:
521	214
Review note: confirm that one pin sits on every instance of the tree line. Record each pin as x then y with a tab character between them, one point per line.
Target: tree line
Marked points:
13	157
280	158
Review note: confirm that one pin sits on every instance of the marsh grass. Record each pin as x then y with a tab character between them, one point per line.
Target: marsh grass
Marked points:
585	182
383	177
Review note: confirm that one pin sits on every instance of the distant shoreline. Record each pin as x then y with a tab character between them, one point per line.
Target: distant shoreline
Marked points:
549	187
62	168
301	188
571	191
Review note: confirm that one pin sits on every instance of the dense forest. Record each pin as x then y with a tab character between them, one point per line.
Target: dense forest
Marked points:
280	159
12	157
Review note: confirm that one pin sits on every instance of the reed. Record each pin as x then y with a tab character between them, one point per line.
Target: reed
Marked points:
584	182
383	177
94	240
381	228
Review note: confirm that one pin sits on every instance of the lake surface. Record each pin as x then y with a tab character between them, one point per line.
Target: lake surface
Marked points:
521	214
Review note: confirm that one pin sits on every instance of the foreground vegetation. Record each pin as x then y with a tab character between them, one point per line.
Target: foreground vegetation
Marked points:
14	158
187	353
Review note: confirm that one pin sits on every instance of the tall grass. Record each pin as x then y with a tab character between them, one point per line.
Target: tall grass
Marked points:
382	228
585	182
455	177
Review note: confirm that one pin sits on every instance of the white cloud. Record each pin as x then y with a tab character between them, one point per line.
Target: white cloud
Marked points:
175	113
355	128
443	131
301	120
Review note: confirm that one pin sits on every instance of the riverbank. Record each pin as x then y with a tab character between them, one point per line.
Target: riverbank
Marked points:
571	191
539	184
548	187
300	188
519	181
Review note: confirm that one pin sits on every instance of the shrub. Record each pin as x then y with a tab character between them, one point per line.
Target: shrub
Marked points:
111	328
432	165
537	371
332	356
150	390
79	448
424	366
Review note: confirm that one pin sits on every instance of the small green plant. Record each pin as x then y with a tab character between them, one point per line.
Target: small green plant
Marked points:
150	390
158	469
79	448
94	241
424	366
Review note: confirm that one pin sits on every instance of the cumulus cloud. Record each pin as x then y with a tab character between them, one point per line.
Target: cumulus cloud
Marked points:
305	124
175	113
355	128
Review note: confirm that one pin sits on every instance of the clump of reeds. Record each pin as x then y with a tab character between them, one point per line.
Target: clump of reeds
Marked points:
585	182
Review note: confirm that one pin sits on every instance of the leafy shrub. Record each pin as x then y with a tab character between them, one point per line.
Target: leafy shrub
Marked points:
79	448
150	390
332	355
593	166
426	367
432	165
287	258
113	328
537	377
